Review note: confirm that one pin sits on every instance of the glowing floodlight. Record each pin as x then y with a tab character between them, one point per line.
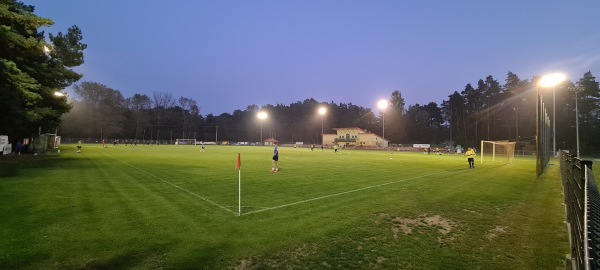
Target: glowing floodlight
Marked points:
551	80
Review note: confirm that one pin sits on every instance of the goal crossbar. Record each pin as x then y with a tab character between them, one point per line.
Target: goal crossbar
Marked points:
506	148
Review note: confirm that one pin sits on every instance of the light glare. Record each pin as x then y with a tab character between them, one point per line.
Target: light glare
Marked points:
382	104
551	80
322	110
262	115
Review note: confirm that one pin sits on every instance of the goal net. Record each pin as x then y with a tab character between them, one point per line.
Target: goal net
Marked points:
503	151
46	143
185	142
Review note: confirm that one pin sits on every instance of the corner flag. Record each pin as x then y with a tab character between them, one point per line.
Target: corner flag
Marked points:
238	163
238	166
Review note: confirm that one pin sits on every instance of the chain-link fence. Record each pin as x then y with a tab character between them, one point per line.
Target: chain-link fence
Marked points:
582	203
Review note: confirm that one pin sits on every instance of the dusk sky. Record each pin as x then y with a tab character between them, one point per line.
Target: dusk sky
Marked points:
227	55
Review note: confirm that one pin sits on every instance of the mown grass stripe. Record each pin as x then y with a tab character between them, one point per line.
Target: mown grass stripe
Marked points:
340	193
173	185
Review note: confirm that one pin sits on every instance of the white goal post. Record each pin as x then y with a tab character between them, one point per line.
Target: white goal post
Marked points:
185	142
504	149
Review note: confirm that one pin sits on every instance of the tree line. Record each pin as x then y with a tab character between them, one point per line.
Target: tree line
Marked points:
101	112
488	111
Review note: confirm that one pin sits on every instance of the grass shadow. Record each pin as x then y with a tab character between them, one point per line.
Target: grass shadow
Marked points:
122	261
13	165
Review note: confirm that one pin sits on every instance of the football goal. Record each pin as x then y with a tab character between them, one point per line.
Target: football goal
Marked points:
185	142
46	143
502	150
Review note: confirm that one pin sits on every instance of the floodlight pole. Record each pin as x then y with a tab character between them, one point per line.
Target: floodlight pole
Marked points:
547	81
554	121
383	133
262	116
383	104
576	123
322	129
322	111
538	101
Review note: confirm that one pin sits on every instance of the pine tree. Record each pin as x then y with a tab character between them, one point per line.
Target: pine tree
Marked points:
32	70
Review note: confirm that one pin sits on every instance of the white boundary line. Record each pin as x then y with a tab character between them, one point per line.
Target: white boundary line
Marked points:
175	186
339	193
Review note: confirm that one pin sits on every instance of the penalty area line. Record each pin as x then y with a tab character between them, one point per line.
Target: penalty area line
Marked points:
175	186
341	193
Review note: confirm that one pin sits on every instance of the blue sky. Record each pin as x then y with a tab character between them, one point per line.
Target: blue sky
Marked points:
227	55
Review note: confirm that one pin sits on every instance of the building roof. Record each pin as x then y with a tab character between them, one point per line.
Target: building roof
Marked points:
271	140
360	131
353	128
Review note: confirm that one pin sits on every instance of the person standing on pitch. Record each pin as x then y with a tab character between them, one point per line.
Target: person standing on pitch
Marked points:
470	154
335	148
275	158
202	147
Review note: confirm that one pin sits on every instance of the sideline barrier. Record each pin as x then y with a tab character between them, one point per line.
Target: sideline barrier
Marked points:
582	205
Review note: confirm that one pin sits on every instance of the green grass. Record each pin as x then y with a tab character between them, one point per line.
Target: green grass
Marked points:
174	207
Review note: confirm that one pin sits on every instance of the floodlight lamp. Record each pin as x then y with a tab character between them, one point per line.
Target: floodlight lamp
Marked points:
59	94
322	110
382	104
551	80
262	115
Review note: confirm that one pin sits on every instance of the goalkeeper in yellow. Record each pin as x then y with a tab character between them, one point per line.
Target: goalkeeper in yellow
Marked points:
470	155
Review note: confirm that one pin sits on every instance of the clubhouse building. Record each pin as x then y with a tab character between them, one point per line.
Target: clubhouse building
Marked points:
354	137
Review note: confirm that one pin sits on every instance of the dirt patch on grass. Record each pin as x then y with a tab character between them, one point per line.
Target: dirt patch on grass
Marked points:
404	224
493	233
444	225
281	260
382	216
243	265
408	225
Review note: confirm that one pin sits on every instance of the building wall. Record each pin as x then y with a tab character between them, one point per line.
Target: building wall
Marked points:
357	137
370	139
328	139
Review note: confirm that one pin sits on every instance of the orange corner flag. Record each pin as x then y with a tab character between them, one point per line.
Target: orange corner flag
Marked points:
238	163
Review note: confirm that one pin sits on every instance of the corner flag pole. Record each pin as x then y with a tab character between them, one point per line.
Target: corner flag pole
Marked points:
238	166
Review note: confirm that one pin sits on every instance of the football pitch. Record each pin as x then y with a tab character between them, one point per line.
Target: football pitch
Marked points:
174	207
